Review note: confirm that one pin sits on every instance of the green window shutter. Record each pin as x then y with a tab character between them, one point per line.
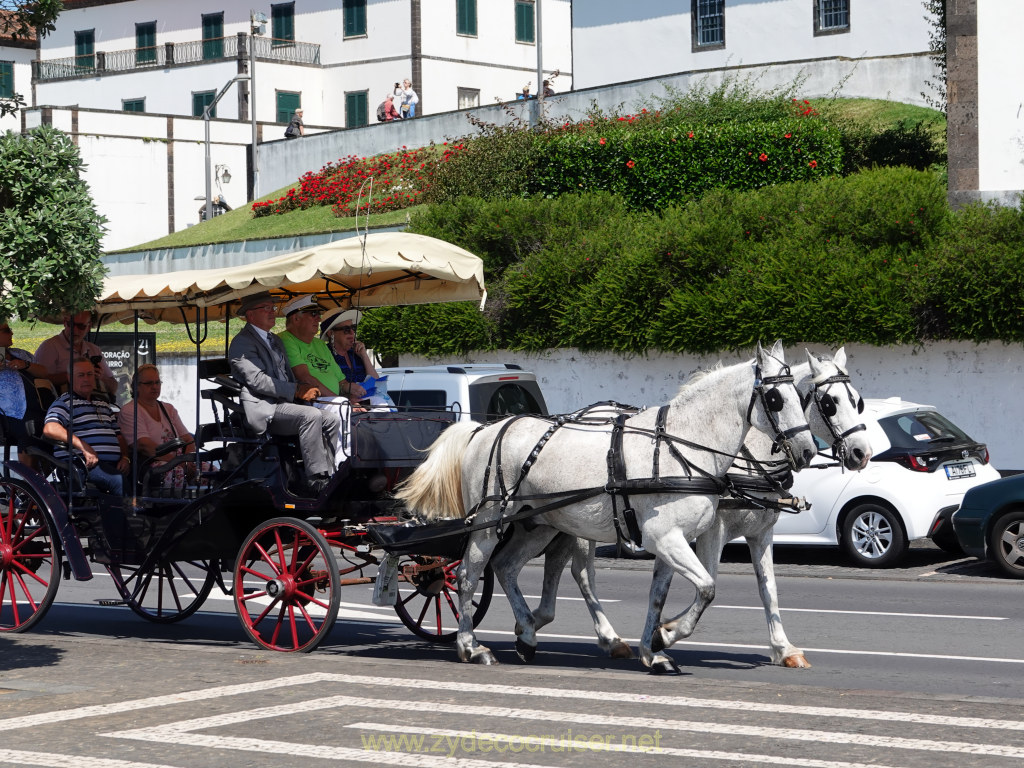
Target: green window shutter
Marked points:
6	79
287	103
213	35
282	23
357	112
135	105
145	42
354	12
465	23
199	102
524	22
85	49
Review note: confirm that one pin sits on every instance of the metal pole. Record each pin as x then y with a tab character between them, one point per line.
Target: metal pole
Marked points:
252	109
540	56
208	210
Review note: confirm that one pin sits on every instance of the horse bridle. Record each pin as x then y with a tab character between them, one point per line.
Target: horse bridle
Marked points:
766	391
827	405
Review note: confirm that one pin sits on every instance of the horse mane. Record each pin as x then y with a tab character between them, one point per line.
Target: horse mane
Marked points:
697	377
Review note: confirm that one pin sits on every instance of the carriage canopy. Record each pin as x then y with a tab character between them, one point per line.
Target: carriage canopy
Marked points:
381	270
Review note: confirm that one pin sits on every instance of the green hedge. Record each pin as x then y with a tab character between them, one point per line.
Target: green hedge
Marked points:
875	258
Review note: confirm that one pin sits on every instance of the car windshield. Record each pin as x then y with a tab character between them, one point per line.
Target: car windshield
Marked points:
924	428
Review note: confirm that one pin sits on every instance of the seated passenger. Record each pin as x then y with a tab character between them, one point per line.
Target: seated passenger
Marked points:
313	364
271	396
54	354
158	423
96	435
17	396
350	353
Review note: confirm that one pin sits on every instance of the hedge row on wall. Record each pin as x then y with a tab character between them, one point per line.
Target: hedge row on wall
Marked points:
876	258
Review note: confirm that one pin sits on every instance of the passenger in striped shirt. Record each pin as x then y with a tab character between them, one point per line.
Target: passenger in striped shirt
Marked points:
96	436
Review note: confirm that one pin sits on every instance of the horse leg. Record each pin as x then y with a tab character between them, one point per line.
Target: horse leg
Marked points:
650	641
583	571
521	547
478	552
783	651
677	554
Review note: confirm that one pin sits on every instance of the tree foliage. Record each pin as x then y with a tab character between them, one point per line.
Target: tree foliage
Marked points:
49	229
23	20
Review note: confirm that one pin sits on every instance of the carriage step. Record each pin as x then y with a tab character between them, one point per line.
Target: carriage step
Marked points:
111	603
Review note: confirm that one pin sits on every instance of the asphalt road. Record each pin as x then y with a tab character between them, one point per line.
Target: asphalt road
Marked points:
914	667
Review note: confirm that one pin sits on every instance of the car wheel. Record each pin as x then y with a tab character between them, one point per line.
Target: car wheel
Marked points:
873	536
1006	543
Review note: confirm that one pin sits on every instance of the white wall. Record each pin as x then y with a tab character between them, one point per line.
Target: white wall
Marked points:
22	58
1000	97
653	37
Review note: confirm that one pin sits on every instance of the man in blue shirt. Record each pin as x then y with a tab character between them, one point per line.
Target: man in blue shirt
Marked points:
96	436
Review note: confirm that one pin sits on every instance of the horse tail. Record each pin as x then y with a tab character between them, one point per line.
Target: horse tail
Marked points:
434	489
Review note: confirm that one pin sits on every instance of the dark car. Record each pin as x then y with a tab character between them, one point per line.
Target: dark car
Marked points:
990	523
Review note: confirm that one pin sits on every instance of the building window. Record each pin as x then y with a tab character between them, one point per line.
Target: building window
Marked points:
465	17
199	101
708	24
85	49
6	79
287	103
524	21
145	42
357	109
469	97
354	14
831	16
137	105
282	23
213	35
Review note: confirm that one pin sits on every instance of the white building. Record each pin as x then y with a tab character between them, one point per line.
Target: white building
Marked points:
615	41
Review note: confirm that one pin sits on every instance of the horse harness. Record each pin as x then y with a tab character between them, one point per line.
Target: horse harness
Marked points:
695	481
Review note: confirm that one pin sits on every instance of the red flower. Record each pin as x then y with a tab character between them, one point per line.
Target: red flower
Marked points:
690	136
601	142
813	163
630	163
762	157
788	136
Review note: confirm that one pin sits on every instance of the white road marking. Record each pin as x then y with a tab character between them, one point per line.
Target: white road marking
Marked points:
246	689
18	757
184	731
865	613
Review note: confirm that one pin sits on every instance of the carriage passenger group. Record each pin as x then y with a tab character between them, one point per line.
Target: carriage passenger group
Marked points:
685	472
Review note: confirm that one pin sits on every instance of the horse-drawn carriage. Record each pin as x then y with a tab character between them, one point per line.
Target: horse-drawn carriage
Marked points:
242	525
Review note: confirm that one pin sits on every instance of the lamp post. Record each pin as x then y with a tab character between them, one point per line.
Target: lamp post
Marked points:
206	124
257	27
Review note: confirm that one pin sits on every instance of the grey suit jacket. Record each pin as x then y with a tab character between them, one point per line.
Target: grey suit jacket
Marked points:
265	377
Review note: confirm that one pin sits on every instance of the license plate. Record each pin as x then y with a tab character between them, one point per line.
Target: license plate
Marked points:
957	471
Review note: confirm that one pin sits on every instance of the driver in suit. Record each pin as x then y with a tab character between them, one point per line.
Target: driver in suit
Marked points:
272	398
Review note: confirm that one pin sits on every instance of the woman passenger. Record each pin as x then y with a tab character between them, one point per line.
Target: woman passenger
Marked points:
18	400
158	423
339	332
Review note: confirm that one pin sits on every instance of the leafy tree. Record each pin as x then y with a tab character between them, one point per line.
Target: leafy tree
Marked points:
49	228
936	19
21	19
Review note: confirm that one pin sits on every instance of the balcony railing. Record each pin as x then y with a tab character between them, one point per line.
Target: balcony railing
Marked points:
171	54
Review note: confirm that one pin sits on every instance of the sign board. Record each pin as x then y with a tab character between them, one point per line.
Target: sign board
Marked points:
119	351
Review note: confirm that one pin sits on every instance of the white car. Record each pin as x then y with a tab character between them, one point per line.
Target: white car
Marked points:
921	467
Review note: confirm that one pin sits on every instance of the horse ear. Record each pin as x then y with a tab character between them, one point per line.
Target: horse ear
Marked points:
814	362
778	352
840	358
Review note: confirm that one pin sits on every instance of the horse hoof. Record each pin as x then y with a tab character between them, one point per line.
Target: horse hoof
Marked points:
486	658
621	650
526	652
665	666
796	661
658	641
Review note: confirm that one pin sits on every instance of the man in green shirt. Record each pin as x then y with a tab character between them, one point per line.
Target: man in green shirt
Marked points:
308	355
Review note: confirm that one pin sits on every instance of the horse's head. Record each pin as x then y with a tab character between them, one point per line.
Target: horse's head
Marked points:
833	409
775	407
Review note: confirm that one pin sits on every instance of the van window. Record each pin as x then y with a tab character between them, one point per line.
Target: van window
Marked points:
493	400
420	399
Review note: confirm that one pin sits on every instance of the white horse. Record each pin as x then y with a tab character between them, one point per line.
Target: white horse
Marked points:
832	407
670	470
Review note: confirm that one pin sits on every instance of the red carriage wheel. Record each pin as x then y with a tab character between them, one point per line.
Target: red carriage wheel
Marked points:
286	586
165	591
30	557
428	596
